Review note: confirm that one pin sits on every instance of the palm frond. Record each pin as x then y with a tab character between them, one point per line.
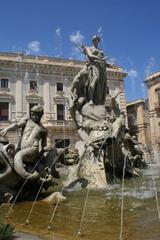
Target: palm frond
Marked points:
6	231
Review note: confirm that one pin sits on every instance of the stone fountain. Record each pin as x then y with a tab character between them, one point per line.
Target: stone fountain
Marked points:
105	144
105	140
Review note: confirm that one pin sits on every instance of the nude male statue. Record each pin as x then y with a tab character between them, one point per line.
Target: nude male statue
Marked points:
33	138
78	93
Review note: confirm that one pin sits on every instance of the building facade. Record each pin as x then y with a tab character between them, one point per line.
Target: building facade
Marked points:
29	80
139	125
137	120
153	86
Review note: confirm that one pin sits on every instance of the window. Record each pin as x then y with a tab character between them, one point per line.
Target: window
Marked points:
60	112
33	85
158	96
4	111
62	143
4	83
30	107
59	87
132	121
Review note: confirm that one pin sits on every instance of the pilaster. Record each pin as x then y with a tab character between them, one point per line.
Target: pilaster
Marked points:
19	99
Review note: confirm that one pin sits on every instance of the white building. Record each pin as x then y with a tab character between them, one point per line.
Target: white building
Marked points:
29	80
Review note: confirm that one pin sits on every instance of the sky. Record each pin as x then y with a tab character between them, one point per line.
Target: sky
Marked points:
129	31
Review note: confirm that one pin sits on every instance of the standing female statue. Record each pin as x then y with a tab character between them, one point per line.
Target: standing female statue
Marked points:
97	69
89	86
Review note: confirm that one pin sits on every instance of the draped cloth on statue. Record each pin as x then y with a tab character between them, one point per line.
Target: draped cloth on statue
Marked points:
99	94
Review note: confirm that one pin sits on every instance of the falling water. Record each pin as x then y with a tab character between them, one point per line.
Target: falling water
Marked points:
39	191
113	156
20	190
102	211
54	211
122	200
154	184
41	186
79	233
58	43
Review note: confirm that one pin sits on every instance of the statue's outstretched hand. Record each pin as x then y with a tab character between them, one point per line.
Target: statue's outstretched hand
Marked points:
3	132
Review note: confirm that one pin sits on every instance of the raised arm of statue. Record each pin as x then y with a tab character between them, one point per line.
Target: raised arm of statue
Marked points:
14	126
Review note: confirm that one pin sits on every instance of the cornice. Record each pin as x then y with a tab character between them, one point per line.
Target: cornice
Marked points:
152	79
5	95
117	72
60	98
40	68
137	102
48	65
34	97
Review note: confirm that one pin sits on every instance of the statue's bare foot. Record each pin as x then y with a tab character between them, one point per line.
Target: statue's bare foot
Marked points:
91	103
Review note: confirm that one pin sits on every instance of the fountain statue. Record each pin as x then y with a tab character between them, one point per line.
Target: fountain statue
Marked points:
105	141
104	149
31	164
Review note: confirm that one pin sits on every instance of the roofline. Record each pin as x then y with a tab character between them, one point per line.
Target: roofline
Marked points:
115	68
41	57
152	76
141	100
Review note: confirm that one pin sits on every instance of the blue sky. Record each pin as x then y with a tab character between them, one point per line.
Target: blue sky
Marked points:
129	30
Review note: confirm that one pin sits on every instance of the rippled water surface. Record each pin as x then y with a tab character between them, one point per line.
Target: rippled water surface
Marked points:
102	217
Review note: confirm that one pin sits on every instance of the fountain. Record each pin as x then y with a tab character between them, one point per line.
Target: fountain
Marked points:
105	153
102	131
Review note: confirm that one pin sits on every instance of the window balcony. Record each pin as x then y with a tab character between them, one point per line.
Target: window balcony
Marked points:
4	89
33	91
61	123
60	94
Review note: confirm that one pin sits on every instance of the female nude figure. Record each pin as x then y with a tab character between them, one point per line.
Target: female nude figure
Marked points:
97	67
